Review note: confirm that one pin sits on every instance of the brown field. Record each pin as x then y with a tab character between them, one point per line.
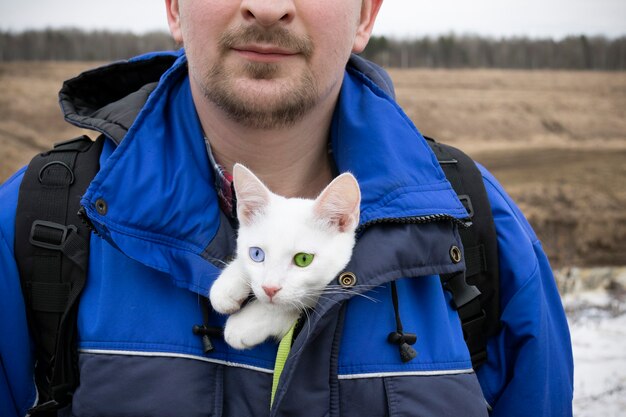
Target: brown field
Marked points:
556	140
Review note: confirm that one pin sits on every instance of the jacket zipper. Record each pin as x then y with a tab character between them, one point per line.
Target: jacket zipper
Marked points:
413	220
82	215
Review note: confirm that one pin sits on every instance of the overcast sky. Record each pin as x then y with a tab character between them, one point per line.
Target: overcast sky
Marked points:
399	18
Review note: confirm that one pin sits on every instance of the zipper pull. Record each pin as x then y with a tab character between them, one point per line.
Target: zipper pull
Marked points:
82	215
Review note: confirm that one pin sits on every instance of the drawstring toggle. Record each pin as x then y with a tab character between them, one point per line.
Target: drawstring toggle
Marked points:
404	341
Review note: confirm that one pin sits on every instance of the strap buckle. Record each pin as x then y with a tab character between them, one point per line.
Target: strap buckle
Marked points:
50	235
48	406
467	203
462	292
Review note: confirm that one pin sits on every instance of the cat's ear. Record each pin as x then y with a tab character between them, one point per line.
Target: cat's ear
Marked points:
252	195
339	204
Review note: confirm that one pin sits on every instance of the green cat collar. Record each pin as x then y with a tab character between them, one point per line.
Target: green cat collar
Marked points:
284	347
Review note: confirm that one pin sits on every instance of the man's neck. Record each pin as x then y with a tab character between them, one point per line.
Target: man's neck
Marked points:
292	161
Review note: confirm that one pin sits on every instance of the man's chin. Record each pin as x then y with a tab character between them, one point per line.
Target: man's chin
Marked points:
265	88
262	103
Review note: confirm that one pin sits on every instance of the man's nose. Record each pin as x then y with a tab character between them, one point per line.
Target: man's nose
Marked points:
267	13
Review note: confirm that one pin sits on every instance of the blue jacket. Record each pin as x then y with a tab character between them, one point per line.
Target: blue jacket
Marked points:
162	239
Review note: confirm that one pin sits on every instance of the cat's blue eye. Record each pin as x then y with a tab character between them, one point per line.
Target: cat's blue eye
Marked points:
257	254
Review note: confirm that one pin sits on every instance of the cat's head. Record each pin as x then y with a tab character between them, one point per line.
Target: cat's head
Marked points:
291	248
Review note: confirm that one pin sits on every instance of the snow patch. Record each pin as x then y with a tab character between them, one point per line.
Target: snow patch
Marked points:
597	320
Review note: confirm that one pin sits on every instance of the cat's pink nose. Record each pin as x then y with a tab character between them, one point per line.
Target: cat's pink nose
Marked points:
270	291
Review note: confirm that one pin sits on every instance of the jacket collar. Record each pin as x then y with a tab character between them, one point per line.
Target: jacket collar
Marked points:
375	140
158	186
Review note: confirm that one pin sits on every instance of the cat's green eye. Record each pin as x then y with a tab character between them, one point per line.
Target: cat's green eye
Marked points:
303	259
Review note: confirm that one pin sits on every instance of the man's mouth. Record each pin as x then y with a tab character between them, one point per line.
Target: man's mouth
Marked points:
264	53
261	45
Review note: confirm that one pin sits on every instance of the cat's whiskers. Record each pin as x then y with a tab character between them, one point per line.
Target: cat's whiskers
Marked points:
359	291
305	307
307	322
313	295
216	261
367	297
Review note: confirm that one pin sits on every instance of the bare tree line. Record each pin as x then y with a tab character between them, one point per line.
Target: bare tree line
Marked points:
450	51
446	51
79	45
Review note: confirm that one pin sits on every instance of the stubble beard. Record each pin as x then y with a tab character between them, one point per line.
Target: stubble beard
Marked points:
285	107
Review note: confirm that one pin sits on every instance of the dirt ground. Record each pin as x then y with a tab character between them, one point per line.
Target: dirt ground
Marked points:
556	140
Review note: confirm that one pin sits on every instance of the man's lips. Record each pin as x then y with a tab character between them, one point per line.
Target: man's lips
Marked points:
264	53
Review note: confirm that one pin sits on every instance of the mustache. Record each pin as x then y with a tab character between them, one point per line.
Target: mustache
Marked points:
276	36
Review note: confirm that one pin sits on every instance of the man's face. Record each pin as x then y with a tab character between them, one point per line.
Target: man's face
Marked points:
267	63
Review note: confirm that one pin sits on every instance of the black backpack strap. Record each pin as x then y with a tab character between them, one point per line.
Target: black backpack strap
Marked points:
52	253
475	293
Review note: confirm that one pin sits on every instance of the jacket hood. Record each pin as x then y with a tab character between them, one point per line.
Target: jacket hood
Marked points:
108	99
157	185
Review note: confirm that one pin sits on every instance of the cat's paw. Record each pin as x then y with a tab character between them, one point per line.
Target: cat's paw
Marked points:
224	301
242	334
229	290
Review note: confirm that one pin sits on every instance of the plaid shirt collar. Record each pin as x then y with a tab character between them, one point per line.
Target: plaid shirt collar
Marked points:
223	185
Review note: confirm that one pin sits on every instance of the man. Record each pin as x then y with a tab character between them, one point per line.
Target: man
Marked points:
266	84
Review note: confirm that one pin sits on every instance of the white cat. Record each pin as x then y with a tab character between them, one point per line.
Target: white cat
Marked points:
288	250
